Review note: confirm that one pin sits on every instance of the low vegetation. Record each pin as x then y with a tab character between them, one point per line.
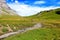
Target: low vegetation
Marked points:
50	21
38	34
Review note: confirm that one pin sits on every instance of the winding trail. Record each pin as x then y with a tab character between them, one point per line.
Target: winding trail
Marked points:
38	25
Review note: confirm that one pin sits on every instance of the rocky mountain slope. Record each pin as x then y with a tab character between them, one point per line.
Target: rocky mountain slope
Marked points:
5	9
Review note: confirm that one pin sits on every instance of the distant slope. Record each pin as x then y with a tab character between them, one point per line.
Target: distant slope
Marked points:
48	14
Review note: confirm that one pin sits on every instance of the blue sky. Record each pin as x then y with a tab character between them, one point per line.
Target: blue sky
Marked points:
31	7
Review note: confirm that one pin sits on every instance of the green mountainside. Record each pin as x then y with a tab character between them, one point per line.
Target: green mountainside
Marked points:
47	18
50	26
11	22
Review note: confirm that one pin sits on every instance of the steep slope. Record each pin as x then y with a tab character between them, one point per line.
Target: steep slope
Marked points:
5	10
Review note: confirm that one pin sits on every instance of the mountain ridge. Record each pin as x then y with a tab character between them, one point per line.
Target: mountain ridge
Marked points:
5	9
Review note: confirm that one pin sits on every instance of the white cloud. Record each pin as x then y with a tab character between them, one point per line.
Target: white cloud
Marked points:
16	1
39	2
27	10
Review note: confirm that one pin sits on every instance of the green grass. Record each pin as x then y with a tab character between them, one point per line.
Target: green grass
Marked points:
38	34
48	19
15	21
50	26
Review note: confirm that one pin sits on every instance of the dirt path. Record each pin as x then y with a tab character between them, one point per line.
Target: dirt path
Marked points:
38	25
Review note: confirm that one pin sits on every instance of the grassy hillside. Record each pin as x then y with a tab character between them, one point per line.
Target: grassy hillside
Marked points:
48	19
49	31
14	23
38	34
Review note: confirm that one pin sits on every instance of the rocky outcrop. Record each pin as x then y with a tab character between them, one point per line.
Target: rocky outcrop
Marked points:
5	9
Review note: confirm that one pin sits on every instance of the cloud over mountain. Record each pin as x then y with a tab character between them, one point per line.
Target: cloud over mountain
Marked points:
26	8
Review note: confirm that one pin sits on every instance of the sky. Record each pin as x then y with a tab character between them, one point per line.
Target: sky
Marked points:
32	7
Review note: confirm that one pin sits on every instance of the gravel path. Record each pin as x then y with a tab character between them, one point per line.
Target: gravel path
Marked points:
38	25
